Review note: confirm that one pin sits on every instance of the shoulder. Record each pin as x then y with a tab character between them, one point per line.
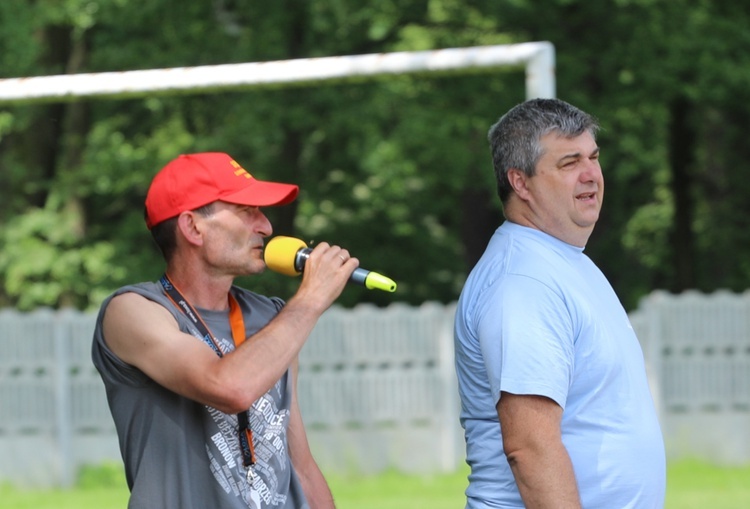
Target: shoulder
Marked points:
516	259
134	301
148	290
251	300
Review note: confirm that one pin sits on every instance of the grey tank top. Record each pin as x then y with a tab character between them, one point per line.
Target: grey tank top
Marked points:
180	454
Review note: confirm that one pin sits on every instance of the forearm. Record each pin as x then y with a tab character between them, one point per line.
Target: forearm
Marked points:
313	483
268	354
545	478
316	489
258	364
533	445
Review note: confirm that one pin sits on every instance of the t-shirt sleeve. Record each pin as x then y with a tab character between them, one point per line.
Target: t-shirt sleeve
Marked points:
525	333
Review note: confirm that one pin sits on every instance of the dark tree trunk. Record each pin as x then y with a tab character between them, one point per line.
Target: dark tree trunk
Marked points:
479	220
681	160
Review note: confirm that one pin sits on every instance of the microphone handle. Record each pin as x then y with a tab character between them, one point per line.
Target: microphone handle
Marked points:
301	258
359	276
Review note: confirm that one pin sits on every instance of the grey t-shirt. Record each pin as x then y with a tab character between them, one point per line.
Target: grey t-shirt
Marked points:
180	454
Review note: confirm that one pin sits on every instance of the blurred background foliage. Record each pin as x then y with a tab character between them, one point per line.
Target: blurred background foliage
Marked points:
395	169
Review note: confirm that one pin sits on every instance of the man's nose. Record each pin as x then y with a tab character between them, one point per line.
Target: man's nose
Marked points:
263	225
591	171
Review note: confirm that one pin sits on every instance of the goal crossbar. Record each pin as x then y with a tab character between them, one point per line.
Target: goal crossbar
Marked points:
538	58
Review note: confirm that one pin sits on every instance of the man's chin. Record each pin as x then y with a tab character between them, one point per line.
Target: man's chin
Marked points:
253	269
588	220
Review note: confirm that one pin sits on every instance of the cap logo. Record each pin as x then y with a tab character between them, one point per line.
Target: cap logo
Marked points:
240	170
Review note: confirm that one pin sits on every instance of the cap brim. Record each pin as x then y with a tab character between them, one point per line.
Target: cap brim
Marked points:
263	194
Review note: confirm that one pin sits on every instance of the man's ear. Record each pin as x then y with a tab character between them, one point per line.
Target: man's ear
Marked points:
190	228
519	182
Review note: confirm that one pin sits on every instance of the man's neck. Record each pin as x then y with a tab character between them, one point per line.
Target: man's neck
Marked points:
200	289
573	236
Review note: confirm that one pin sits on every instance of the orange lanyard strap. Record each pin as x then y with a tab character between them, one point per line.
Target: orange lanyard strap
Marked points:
236	321
237	324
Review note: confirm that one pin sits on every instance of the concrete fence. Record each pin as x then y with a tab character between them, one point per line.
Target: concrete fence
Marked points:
697	349
377	387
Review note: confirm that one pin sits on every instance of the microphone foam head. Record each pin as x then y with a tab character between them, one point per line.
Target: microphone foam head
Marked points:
280	254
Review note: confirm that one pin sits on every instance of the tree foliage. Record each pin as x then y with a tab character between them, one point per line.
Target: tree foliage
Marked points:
397	169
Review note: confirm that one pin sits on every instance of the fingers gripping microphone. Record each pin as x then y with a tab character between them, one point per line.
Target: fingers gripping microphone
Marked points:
287	255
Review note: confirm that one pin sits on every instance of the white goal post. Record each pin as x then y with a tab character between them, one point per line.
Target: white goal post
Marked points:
537	57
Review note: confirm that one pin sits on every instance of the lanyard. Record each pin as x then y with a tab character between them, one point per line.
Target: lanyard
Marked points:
238	335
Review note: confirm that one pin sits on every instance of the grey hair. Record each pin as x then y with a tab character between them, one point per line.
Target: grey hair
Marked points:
165	233
515	138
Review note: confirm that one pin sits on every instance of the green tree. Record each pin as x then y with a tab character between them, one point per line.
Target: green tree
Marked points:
396	169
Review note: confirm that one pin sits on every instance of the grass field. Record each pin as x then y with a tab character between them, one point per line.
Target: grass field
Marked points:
690	485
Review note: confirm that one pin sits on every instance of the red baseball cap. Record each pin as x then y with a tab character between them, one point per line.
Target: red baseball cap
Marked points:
193	180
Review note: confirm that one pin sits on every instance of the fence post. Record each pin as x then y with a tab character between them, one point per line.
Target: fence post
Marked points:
449	419
63	422
654	346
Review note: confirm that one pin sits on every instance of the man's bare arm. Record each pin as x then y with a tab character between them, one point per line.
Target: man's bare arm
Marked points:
144	334
532	442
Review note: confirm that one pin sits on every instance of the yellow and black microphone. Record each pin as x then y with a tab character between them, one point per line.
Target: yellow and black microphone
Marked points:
288	255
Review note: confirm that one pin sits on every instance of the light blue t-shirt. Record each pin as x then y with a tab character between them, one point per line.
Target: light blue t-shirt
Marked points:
536	316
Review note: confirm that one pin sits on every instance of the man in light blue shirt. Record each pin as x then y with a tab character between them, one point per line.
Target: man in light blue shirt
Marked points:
554	397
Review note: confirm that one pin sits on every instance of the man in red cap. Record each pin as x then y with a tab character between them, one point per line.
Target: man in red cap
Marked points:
201	374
